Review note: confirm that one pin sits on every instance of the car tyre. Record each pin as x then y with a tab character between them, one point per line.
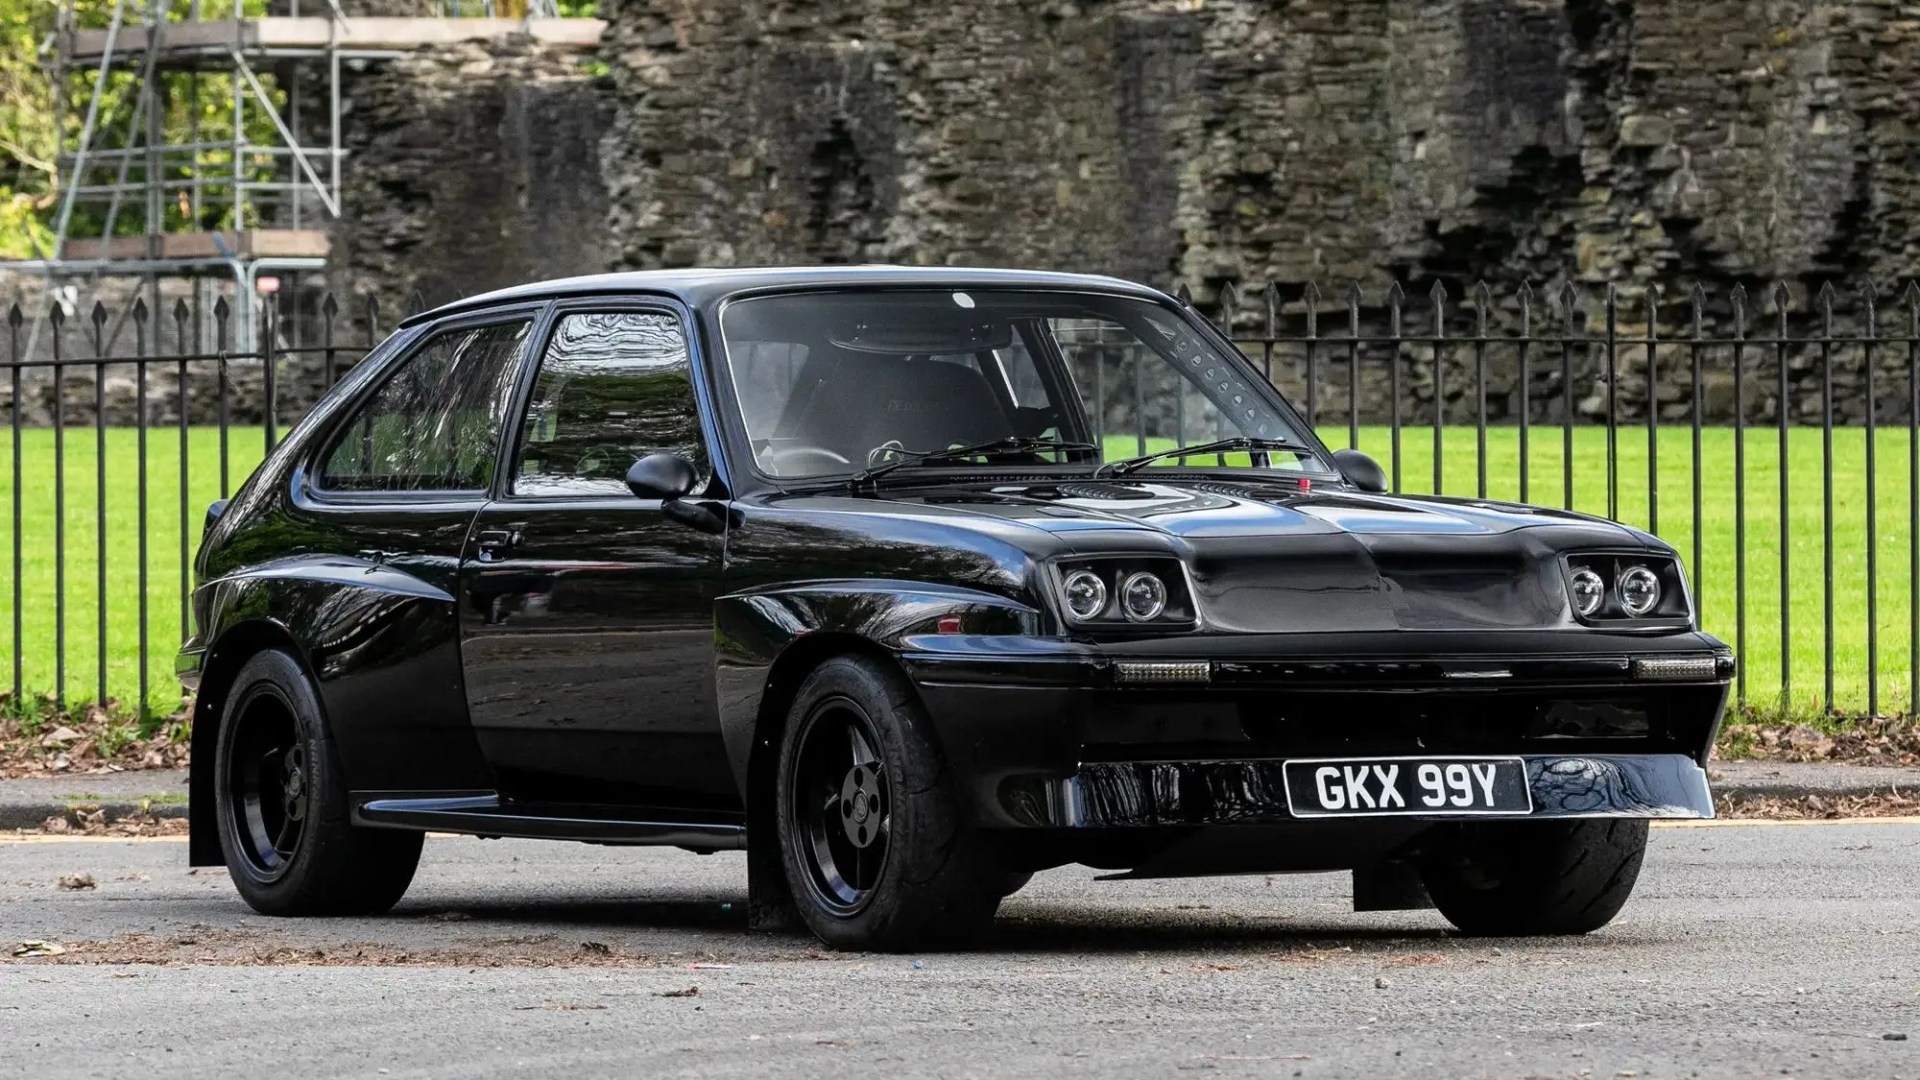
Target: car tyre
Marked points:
1530	878
281	804
873	839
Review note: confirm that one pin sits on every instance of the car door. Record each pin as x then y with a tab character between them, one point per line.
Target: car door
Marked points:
395	486
587	613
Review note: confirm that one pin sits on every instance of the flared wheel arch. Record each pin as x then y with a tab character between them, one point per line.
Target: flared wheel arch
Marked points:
238	644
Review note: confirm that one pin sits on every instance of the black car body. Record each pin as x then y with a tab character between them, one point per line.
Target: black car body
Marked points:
564	561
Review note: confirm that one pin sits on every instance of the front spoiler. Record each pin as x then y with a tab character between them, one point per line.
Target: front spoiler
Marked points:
1151	794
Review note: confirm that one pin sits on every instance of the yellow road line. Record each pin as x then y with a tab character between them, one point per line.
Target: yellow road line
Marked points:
1729	823
83	838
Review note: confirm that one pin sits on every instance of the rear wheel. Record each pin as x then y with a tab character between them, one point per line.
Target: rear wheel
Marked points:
281	805
873	842
1526	878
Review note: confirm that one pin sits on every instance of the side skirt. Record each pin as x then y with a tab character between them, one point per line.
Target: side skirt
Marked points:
487	814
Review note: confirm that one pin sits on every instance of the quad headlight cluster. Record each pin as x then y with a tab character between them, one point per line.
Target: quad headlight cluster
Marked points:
1140	592
1608	588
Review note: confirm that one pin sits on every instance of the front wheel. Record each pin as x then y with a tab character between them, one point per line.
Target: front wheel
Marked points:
873	841
281	805
1527	878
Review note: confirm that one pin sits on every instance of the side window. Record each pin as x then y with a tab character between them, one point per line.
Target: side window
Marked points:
612	388
434	425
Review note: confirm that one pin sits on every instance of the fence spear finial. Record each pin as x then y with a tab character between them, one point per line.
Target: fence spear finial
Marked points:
140	309
1395	296
1868	296
1311	294
1524	294
1229	306
15	316
329	307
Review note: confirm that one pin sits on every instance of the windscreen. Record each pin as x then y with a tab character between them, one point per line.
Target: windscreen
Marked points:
833	383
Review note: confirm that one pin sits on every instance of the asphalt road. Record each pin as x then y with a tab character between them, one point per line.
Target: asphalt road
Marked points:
1749	950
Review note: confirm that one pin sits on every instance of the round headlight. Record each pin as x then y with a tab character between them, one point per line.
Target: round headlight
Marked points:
1143	597
1086	594
1639	591
1588	591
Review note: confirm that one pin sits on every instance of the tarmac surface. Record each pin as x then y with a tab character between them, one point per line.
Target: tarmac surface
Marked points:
1750	949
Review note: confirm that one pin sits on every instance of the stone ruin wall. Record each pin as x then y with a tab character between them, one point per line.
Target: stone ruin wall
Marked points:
1202	142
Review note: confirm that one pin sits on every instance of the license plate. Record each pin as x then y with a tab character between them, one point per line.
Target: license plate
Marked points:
1370	787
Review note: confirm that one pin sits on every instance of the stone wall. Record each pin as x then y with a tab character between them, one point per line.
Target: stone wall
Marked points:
471	168
1718	142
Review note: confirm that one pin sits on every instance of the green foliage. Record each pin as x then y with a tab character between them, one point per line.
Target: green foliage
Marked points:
32	129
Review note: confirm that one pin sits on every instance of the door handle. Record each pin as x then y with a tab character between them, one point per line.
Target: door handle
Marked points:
492	542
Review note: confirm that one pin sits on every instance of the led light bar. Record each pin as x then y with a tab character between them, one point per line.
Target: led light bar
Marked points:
1135	672
1675	668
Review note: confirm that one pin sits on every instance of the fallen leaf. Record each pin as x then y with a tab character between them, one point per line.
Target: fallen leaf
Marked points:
562	1006
691	991
39	948
76	881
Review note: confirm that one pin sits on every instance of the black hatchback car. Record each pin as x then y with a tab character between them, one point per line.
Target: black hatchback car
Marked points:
913	582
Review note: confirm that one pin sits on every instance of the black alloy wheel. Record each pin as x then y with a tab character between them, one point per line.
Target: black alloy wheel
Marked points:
843	802
281	806
269	782
875	842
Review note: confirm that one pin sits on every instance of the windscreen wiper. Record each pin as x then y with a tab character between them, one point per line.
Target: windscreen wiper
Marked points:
1238	442
1009	443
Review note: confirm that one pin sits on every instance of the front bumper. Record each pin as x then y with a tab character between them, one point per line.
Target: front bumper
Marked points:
1150	794
1045	734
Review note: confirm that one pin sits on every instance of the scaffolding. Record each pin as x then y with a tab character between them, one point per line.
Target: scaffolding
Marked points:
209	141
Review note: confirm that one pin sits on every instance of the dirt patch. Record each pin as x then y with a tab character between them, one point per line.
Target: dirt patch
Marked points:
1886	804
1853	741
40	738
239	948
83	820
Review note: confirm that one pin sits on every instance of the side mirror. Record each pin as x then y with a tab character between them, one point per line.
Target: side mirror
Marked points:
1360	470
662	476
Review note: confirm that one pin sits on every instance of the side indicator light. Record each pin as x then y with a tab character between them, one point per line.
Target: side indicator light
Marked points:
948	624
1137	672
1675	668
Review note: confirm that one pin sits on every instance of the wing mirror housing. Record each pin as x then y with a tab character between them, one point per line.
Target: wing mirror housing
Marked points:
670	478
1360	470
662	476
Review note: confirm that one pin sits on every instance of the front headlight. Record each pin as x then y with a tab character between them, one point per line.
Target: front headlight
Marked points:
1639	591
1085	595
1125	592
1627	588
1143	597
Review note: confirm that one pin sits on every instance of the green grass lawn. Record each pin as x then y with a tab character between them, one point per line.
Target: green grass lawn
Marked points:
1714	575
40	566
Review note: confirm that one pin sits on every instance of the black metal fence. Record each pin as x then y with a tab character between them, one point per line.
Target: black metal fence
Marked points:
1771	437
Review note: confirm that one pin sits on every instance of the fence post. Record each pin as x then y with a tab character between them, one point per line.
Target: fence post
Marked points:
1826	491
1613	402
99	320
181	317
220	313
1654	294
1525	295
57	320
1353	364
269	325
1786	530
1873	529
1394	297
1312	297
1739	299
15	318
1699	299
1568	299
140	460
1482	300
1439	295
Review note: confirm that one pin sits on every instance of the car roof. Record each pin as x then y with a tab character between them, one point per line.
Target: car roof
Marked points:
700	287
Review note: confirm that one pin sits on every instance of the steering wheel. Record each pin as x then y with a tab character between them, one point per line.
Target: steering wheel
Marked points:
801	460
